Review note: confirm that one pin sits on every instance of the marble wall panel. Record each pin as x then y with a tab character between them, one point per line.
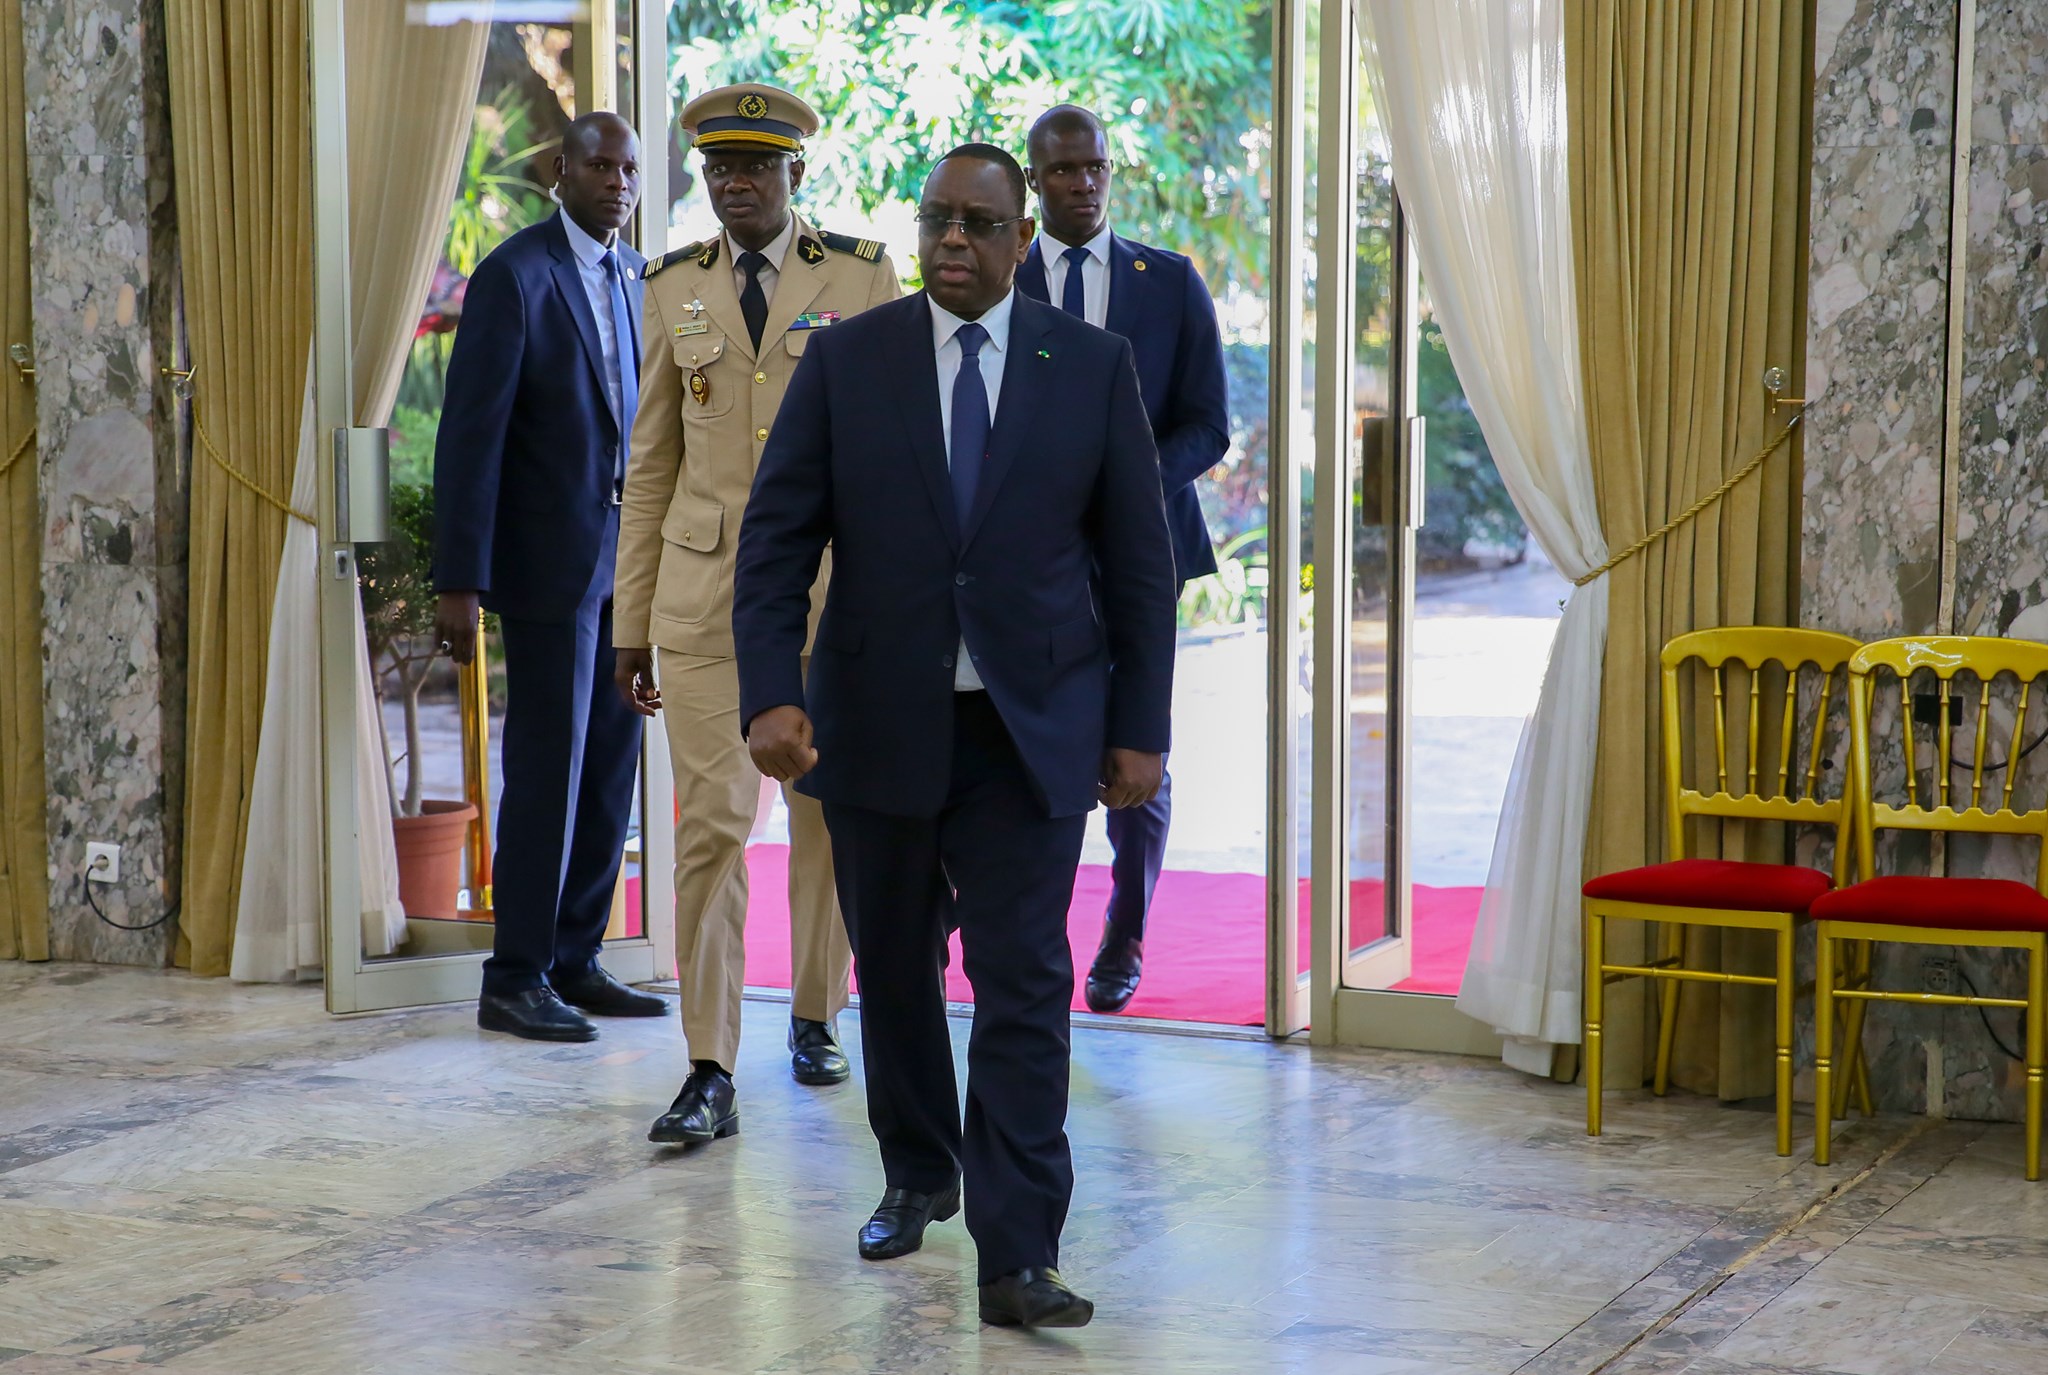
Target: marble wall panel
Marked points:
113	517
1884	70
1872	539
1875	364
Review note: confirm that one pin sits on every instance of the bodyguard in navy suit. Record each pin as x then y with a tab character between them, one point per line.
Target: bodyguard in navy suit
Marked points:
540	398
1156	300
995	657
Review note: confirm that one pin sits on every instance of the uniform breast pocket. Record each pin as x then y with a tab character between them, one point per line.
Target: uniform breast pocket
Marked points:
710	378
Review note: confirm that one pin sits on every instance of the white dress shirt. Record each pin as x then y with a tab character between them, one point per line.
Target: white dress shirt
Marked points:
1094	274
597	286
775	252
945	324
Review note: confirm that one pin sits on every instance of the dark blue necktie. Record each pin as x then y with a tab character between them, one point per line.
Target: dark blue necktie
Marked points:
1073	296
969	444
628	363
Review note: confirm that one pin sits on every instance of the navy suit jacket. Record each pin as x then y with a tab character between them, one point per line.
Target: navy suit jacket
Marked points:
1061	579
1165	311
524	462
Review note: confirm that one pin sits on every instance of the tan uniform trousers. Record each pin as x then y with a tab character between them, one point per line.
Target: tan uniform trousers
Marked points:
718	791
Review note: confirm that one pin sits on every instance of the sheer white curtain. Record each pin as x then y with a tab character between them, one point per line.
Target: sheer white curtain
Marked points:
412	91
1472	96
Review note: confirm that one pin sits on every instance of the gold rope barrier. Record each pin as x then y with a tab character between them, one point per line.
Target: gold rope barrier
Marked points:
238	475
1698	506
26	441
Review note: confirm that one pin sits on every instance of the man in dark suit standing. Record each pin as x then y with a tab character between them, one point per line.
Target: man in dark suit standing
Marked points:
1156	300
541	392
995	657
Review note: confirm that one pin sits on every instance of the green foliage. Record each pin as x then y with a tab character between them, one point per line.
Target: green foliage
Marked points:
1466	498
493	197
1184	87
396	577
412	445
494	200
1236	591
396	582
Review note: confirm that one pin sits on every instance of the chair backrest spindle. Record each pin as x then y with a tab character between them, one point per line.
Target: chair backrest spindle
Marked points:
1754	648
1945	657
1720	727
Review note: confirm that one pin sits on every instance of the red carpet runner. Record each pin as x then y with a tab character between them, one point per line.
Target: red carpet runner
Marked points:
1205	951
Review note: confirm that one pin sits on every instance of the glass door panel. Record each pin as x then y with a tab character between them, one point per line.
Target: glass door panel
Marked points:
1376	534
435	727
1369	501
1486	608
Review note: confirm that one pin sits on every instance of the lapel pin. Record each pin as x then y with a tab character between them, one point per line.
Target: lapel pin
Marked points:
1045	353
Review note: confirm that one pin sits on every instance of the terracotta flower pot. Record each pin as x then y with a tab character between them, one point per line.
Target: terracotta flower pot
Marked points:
430	857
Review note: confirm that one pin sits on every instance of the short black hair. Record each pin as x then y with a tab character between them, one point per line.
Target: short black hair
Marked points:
1061	119
988	152
586	129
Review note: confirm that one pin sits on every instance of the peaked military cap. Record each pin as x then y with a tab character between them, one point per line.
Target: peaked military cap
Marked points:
749	115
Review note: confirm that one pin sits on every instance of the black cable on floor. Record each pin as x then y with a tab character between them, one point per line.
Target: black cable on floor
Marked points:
1984	1015
94	904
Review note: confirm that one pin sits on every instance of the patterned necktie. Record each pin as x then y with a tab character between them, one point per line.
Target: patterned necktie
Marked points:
969	443
627	362
754	301
1073	296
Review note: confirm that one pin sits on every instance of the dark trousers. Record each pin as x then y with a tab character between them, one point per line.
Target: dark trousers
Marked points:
570	752
1137	842
1009	871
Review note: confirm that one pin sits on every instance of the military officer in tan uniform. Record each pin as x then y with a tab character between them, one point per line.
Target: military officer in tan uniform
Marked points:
726	320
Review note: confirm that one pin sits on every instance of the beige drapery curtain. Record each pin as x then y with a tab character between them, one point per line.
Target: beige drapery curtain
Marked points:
24	881
411	96
239	116
1690	131
412	92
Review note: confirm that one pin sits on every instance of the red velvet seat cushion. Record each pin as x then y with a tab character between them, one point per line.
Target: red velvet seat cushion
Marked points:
1949	904
1727	883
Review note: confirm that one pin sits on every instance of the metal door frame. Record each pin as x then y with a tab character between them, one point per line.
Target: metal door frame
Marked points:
353	983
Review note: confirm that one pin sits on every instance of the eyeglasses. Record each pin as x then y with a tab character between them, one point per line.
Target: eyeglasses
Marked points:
973	226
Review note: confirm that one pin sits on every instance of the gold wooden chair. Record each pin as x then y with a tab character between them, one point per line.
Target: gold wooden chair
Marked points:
1923	910
1683	893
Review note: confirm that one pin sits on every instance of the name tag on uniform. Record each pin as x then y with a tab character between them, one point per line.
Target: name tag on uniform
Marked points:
693	327
815	319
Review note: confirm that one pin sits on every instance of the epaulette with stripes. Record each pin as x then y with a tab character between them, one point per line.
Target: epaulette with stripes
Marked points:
869	249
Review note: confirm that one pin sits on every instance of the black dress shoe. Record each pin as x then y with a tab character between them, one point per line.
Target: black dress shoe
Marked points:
1033	1297
535	1013
814	1057
1113	978
601	995
706	1110
897	1228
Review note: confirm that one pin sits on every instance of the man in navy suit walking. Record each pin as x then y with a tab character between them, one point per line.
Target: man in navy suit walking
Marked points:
995	657
542	387
1156	300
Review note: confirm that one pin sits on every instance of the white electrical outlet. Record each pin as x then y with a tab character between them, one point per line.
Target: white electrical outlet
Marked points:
102	862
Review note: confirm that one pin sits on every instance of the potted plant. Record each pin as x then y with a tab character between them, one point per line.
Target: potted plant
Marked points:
398	623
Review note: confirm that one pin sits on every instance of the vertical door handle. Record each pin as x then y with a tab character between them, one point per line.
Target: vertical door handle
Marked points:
1418	470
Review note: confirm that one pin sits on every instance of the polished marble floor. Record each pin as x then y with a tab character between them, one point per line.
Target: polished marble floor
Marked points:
207	1178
